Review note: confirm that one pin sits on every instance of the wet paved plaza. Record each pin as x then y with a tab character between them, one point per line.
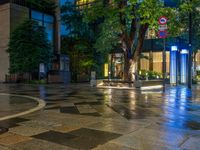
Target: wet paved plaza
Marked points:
11	104
78	116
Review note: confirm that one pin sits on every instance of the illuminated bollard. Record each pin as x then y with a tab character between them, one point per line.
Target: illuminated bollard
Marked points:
184	66
173	65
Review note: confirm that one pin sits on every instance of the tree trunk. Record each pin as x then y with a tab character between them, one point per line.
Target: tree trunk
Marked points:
126	75
141	37
130	67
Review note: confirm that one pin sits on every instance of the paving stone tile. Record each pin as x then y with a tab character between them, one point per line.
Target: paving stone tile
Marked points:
112	146
144	138
4	148
84	143
26	130
13	139
91	114
70	110
89	103
41	124
56	137
116	127
37	144
5	134
85	132
80	139
191	144
67	128
84	109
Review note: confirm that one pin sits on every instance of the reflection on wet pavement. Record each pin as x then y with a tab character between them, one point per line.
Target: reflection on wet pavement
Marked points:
130	119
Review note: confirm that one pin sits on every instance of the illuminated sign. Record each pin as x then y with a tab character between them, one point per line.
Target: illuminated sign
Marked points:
162	20
105	70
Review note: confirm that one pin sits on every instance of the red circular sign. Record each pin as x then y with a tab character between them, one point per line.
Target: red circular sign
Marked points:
162	20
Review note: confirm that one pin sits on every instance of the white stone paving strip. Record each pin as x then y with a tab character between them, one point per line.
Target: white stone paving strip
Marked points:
41	104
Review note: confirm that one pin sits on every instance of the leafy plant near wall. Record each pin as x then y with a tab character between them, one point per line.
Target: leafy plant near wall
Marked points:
28	47
143	74
48	6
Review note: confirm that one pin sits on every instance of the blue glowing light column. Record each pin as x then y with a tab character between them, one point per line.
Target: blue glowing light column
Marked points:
173	65
184	66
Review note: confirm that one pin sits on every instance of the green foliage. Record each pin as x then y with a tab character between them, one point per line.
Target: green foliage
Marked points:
79	42
72	18
28	47
143	74
42	5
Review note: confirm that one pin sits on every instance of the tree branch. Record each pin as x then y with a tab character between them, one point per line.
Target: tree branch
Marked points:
141	37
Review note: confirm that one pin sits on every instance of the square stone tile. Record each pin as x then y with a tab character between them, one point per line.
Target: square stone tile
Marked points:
67	128
191	144
80	139
70	110
91	114
123	111
116	127
84	143
112	146
37	144
5	135
41	124
13	139
4	148
89	138
26	130
84	109
56	137
97	134
151	139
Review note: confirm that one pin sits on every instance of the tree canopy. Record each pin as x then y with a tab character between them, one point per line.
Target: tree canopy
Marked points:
78	43
124	23
28	47
42	5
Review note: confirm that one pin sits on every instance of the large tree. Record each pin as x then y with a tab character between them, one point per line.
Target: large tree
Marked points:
124	23
78	43
28	47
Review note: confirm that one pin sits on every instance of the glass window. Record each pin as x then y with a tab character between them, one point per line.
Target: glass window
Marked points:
49	31
48	18
36	15
62	2
45	20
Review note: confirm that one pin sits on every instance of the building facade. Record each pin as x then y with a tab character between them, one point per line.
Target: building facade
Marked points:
12	13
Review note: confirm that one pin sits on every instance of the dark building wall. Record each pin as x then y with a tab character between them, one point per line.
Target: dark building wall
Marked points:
4	38
17	15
